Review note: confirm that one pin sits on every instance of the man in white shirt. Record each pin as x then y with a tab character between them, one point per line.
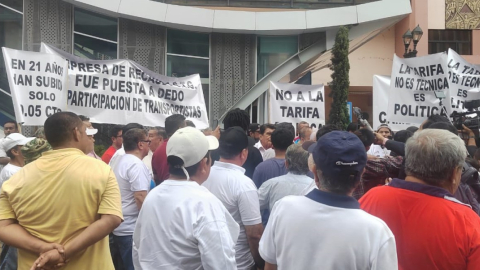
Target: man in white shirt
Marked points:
134	182
264	145
12	145
9	127
326	229
182	225
295	182
120	152
238	193
380	151
156	136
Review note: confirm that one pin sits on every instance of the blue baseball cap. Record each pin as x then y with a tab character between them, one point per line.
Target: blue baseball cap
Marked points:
339	154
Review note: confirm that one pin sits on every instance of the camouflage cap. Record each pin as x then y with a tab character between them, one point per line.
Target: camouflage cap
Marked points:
34	149
40	133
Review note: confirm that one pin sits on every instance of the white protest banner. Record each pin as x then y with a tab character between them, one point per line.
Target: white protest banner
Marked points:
381	85
294	103
122	91
464	81
412	96
37	84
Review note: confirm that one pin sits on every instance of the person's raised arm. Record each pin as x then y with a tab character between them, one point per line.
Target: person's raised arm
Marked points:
397	147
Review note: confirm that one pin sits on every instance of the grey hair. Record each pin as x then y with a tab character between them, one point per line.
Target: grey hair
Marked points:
303	132
297	159
432	154
160	132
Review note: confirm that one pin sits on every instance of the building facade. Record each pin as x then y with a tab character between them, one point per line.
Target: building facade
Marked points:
445	23
236	46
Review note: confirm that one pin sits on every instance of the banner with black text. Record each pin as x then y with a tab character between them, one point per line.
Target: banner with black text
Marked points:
37	85
381	86
122	91
464	82
415	84
294	103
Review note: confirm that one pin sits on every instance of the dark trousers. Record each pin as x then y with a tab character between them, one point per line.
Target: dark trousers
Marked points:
124	246
8	258
115	253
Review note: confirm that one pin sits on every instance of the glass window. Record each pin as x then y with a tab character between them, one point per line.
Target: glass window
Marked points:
10	37
188	43
6	104
188	53
92	48
255	111
15	4
273	51
179	66
457	40
95	24
95	35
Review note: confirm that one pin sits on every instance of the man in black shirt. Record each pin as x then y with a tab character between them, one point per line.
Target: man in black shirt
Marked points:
240	118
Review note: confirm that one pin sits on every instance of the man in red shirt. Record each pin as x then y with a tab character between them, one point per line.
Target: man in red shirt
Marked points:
432	229
159	159
117	141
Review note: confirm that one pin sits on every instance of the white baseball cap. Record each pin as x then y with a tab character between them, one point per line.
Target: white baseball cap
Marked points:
15	139
190	145
91	131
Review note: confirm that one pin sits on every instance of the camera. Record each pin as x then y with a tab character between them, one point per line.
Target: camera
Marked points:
362	122
466	118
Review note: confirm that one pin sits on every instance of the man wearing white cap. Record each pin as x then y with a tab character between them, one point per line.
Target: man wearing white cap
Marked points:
12	144
9	127
181	224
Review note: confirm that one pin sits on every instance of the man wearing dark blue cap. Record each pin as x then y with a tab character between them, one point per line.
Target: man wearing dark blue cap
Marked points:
328	222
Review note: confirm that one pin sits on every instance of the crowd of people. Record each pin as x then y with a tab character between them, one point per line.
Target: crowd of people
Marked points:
249	196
